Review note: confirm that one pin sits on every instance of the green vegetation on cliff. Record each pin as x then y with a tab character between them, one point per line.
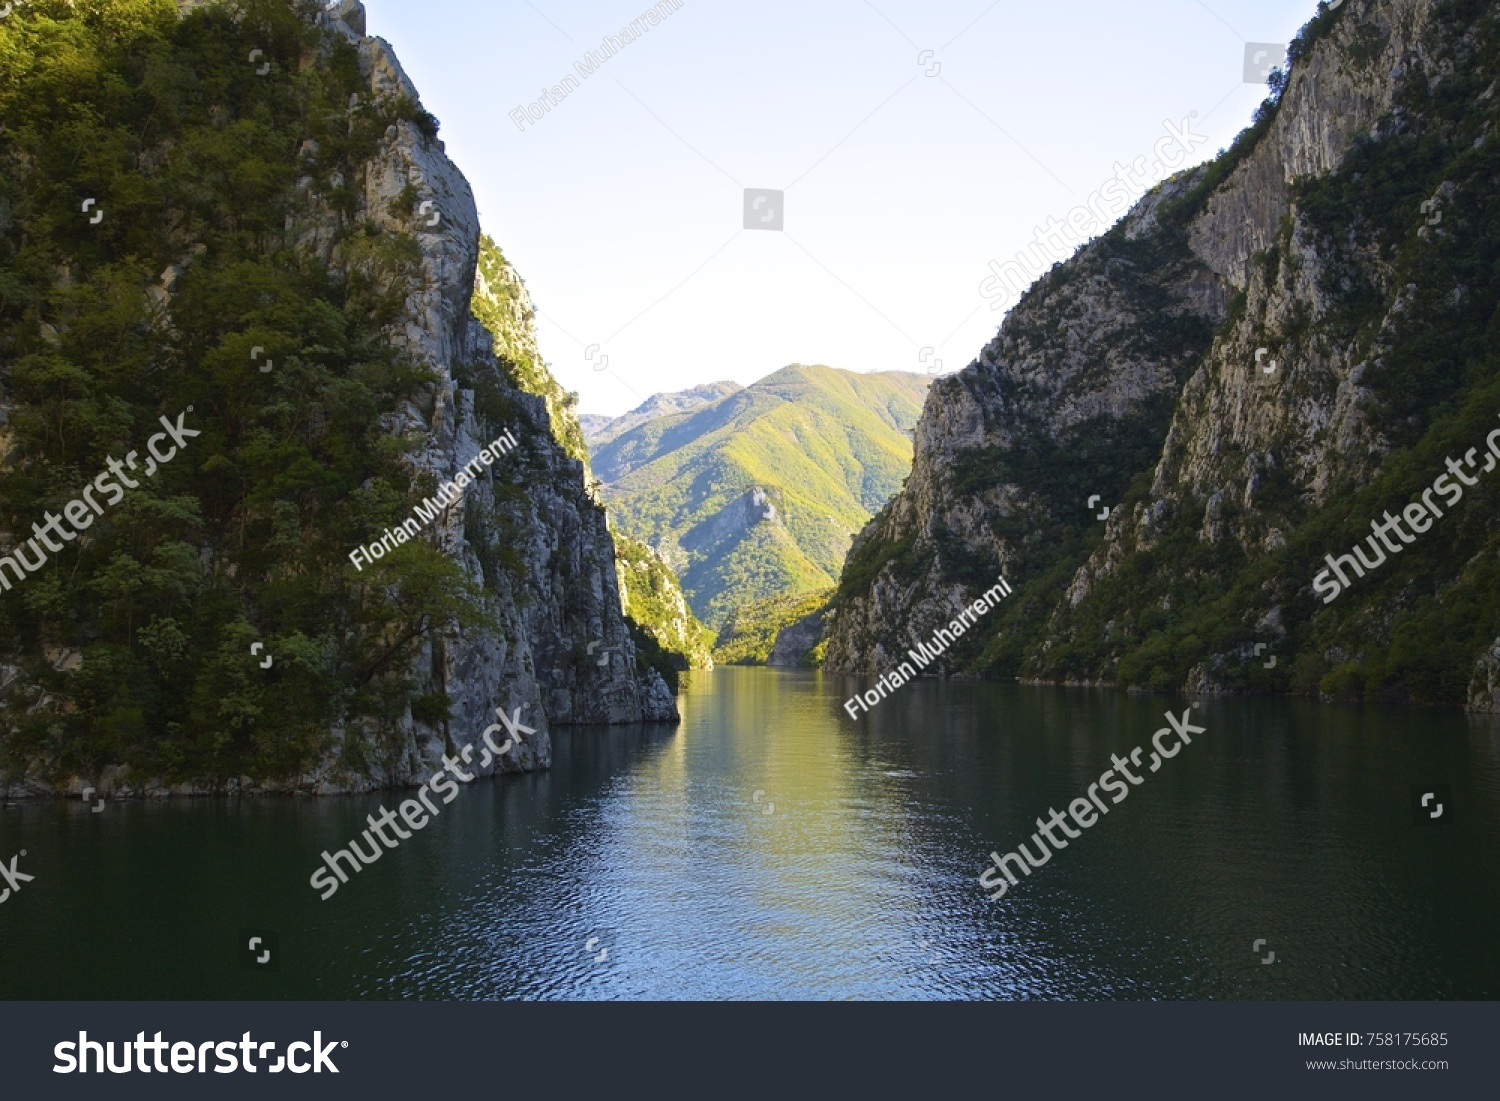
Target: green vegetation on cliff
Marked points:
654	601
1380	297
131	647
502	306
1422	302
752	629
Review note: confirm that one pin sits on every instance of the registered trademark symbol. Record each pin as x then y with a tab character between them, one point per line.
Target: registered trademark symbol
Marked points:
344	1044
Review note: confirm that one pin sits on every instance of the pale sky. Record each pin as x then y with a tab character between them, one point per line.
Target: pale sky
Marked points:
905	172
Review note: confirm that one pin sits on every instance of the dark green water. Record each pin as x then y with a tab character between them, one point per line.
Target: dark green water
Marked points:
1286	821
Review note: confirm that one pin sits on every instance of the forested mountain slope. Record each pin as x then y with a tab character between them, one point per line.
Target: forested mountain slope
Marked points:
757	494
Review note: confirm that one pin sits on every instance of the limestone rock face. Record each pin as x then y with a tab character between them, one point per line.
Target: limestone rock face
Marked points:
1338	95
1068	372
1484	689
795	642
560	592
730	523
1199	361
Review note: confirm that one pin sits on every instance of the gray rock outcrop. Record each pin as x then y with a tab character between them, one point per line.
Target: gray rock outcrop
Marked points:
1201	362
565	593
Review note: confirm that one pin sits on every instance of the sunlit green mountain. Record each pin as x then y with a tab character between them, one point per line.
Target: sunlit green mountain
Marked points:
758	494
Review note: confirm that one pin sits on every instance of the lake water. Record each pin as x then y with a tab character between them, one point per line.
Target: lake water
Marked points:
770	848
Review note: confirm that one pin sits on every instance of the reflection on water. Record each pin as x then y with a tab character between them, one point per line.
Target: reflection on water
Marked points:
770	848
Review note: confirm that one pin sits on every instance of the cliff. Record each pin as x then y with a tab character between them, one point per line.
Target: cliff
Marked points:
656	605
303	206
1264	356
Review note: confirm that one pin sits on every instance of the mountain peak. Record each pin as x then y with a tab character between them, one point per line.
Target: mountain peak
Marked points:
599	430
757	494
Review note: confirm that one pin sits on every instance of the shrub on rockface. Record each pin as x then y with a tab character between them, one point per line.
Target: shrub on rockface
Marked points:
132	646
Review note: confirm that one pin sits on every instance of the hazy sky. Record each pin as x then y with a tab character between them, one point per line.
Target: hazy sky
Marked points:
905	172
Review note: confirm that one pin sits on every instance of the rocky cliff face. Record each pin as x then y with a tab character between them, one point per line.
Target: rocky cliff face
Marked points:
1073	394
1263	356
535	539
796	642
528	533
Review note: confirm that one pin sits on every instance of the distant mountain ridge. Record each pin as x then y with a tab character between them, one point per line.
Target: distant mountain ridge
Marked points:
599	430
758	492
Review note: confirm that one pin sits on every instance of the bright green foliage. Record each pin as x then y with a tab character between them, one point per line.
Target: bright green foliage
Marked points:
502	305
195	161
827	447
654	601
752	629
